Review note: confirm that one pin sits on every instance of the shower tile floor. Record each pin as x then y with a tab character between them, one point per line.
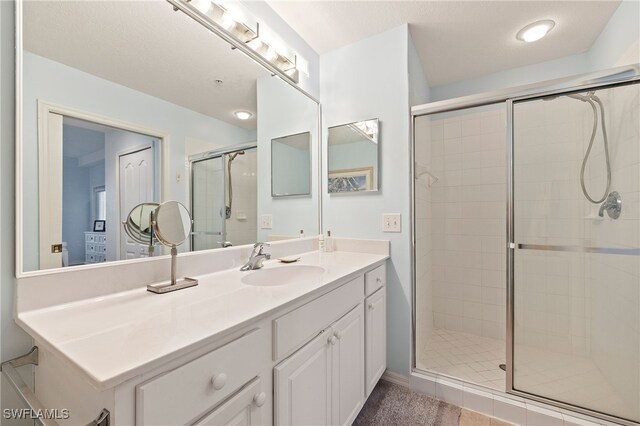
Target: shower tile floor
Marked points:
466	357
563	377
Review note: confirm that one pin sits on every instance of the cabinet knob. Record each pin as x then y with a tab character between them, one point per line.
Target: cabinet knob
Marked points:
378	280
338	334
371	306
219	380
332	339
259	399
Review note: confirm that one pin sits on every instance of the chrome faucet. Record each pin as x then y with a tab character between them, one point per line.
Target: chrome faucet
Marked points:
256	258
613	206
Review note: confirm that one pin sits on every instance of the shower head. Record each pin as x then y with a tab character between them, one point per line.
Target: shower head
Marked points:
234	155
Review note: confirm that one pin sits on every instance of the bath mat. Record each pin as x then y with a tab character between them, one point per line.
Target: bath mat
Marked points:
390	405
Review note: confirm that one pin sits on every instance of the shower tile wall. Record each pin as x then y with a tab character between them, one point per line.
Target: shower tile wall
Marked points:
242	226
423	267
468	155
208	202
552	297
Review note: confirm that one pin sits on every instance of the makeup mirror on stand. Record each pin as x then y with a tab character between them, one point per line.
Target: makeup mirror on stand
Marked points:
170	223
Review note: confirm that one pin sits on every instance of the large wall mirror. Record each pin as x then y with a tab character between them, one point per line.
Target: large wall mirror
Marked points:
159	109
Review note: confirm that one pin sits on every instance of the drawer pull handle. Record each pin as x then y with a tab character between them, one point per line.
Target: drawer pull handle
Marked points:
332	340
259	399
338	334
371	306
219	380
378	280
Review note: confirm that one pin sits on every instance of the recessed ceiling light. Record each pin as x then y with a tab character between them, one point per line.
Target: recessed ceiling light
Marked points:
243	115
535	31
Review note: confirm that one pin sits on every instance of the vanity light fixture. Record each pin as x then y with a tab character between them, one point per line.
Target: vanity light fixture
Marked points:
218	17
535	31
243	115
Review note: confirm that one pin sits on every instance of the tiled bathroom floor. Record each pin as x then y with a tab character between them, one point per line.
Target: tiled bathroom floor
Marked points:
563	377
466	357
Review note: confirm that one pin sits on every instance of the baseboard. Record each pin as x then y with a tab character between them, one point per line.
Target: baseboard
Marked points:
396	378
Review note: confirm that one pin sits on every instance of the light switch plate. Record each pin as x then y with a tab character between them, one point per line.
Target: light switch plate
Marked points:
391	222
266	221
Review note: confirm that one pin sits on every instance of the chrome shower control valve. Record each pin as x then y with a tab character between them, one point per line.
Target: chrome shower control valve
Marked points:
612	205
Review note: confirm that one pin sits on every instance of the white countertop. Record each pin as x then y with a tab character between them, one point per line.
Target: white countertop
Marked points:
117	337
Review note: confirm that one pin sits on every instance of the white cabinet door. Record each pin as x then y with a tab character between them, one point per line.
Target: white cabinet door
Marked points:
348	367
375	337
246	408
303	384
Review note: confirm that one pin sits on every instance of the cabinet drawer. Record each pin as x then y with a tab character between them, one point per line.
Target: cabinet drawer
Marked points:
374	279
244	408
184	394
297	327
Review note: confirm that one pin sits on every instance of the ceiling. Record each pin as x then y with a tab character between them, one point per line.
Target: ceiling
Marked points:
456	40
146	46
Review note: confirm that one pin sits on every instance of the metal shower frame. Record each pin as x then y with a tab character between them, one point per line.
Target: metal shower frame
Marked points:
604	79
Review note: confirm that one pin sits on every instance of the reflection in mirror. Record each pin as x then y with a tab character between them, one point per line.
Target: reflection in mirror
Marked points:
353	157
291	165
172	223
138	224
223	197
114	119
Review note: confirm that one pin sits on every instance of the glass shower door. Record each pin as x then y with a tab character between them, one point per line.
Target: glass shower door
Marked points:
576	253
208	203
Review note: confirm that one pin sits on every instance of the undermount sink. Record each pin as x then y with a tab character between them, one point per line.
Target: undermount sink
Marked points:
282	275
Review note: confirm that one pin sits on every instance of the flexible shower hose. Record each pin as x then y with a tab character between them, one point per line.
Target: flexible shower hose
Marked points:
590	98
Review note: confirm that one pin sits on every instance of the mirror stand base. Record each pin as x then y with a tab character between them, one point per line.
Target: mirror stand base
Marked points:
167	287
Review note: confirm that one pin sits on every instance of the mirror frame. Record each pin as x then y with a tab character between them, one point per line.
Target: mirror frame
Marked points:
378	180
165	138
301	194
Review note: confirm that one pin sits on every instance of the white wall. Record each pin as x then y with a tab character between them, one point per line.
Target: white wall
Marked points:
13	341
285	111
364	80
57	83
76	208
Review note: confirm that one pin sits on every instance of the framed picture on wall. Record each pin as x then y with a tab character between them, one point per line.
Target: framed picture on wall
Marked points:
351	180
99	225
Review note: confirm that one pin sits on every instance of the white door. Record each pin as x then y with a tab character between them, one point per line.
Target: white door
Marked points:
303	385
376	337
50	193
136	186
348	367
246	408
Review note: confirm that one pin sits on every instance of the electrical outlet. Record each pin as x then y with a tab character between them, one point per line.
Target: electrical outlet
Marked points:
266	221
391	222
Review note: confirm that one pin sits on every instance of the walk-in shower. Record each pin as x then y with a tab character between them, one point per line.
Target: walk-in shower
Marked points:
524	252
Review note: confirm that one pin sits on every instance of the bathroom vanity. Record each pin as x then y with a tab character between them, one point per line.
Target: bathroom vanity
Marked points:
301	343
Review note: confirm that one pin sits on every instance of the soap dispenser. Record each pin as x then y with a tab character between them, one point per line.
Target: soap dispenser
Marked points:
328	243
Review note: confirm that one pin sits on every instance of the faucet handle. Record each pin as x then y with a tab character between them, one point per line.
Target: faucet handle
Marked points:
259	246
